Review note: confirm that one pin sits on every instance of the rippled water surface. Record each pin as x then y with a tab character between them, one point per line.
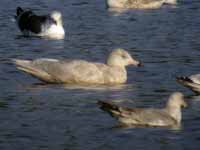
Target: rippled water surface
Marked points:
54	117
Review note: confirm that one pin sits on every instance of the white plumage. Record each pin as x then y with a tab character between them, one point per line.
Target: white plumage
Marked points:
80	71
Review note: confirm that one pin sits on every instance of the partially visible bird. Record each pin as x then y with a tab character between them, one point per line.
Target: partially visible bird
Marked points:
192	82
139	4
30	24
167	117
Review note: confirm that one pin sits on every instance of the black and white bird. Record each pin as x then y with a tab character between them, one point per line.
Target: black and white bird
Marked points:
192	82
30	24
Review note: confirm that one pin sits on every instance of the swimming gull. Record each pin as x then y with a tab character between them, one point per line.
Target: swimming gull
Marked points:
30	24
168	116
80	71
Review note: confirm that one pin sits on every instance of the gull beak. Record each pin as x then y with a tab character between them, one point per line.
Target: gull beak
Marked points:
136	63
140	64
184	104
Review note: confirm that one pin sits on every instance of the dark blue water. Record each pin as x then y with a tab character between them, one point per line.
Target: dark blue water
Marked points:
54	117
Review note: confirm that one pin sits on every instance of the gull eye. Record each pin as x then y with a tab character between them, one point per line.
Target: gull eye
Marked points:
124	56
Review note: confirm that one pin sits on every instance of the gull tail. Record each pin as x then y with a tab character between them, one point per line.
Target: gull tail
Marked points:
112	109
28	67
187	82
184	79
22	64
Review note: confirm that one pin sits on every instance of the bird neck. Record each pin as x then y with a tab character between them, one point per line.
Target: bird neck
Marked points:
119	74
116	65
175	112
59	22
113	61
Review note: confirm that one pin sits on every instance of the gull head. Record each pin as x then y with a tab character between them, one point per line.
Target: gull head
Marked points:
121	58
57	16
177	100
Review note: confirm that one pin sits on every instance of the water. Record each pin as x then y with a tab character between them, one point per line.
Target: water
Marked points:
54	117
